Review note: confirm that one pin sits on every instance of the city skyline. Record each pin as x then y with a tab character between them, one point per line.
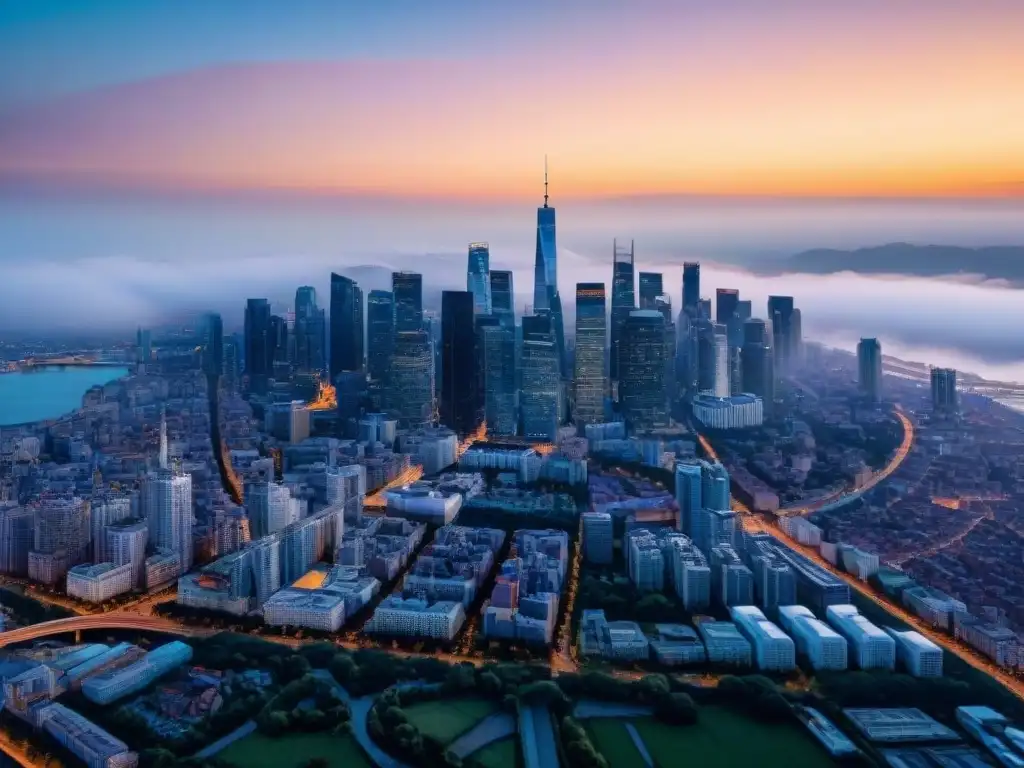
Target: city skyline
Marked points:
918	99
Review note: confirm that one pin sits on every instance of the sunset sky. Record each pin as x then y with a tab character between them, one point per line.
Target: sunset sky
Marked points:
461	99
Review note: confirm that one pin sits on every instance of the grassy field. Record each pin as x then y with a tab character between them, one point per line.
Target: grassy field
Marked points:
611	739
258	751
447	720
498	754
713	743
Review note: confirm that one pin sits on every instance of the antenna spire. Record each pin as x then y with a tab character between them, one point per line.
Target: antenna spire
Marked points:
545	181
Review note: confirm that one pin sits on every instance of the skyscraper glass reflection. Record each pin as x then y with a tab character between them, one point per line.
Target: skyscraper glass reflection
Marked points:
591	345
623	299
478	277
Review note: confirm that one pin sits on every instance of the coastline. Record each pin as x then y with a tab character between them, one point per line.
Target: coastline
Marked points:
117	372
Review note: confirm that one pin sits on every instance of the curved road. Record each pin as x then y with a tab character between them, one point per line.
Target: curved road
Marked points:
843	496
101	621
881	475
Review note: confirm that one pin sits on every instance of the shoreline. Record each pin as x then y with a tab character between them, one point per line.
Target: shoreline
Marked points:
50	420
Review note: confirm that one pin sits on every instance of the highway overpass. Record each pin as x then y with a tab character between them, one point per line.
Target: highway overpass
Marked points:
110	621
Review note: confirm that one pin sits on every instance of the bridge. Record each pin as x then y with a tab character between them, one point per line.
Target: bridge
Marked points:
112	620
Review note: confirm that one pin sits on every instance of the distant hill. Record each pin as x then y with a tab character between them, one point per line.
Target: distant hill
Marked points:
998	262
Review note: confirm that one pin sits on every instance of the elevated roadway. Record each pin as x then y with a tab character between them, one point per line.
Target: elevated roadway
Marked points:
99	622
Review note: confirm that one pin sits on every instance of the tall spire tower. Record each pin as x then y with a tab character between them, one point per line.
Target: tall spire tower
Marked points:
163	440
545	181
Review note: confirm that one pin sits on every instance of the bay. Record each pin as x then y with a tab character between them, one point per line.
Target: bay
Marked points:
49	392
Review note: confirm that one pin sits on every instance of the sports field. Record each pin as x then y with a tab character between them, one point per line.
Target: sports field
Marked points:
448	719
722	739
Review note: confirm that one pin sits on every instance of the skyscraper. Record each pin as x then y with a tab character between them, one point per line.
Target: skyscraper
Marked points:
945	397
757	364
279	344
623	299
723	387
780	315
258	342
545	268
309	332
869	369
663	304
17	537
346	325
650	288
167	506
691	287
502	296
726	301
497	341
460	406
410	393
380	322
478	277
407	291
688	493
591	344
540	400
642	370
271	508
213	344
62	526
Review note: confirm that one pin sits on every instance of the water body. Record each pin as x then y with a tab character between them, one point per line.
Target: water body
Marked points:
46	393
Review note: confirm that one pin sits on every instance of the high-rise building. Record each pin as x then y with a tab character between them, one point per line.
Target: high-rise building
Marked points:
167	506
213	344
591	345
545	269
726	301
460	397
259	346
497	341
688	493
714	488
650	288
106	510
502	296
380	323
663	304
642	370
143	345
279	345
271	508
780	315
540	399
691	287
722	387
17	538
623	300
62	525
598	541
125	544
869	369
478	277
407	290
309	332
346	325
945	396
757	363
410	395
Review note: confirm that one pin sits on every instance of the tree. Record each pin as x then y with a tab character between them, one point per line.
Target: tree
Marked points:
676	709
